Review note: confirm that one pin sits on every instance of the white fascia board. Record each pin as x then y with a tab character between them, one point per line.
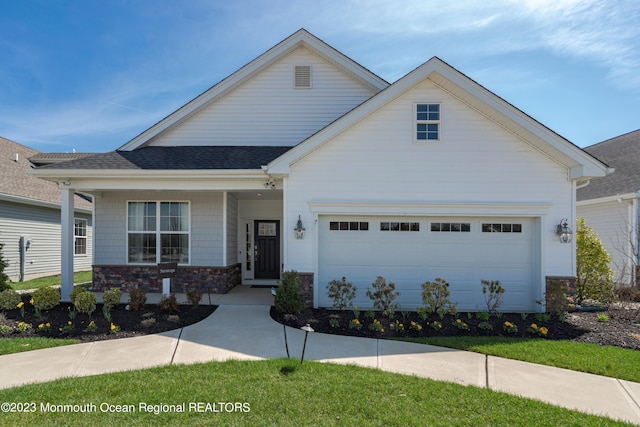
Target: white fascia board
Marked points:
40	203
300	38
607	199
53	174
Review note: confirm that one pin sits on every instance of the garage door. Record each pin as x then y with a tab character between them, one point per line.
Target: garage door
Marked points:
410	251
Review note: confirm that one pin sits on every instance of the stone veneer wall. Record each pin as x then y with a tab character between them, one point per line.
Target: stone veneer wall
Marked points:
306	283
217	280
560	293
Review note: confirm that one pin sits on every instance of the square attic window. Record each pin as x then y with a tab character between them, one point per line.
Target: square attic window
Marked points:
302	77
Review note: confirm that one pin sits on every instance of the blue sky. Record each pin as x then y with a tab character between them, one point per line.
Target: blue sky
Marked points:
90	75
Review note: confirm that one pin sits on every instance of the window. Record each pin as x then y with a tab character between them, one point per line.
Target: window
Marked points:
80	237
502	228
302	77
452	227
348	225
427	122
158	232
399	226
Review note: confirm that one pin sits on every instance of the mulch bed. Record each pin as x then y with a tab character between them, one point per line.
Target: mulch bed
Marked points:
576	326
129	323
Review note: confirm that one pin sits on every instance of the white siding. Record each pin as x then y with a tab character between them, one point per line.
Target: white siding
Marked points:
611	221
206	225
267	110
43	226
476	164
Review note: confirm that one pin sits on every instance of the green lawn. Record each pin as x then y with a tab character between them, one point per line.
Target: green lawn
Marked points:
18	345
278	392
43	282
609	361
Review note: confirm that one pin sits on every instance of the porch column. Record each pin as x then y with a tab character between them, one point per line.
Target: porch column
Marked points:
66	238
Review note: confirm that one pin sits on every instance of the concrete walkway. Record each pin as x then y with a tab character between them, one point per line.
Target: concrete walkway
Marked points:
247	332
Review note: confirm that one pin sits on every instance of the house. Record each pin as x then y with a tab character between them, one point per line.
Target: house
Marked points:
30	216
305	160
609	205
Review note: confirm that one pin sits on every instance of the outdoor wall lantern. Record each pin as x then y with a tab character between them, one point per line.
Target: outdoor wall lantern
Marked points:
299	230
564	231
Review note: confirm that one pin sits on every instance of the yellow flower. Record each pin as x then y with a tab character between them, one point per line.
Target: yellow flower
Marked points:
41	325
508	324
31	301
69	323
534	326
544	331
20	304
113	327
48	325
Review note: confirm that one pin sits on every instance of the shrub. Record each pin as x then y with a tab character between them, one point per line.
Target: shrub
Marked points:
194	296
342	293
288	299
558	298
137	299
383	295
435	297
45	298
4	279
77	290
112	297
9	299
628	293
85	303
147	323
594	277
169	304
492	291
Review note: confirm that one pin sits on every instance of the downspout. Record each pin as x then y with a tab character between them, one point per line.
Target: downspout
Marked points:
25	242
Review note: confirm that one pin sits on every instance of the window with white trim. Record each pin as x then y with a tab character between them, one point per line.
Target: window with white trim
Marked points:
80	236
158	232
502	228
451	227
427	122
399	226
349	226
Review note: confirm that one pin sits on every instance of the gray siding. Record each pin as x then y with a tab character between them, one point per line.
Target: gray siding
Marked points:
206	225
43	226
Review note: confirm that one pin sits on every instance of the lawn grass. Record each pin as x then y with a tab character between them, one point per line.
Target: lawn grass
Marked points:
281	392
43	282
609	361
19	345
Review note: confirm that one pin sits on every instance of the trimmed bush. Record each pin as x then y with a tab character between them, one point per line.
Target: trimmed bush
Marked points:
9	299
46	298
194	296
137	299
594	277
112	297
85	303
288	299
77	290
169	304
342	293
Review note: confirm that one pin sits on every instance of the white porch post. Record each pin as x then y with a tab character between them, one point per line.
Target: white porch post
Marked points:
66	236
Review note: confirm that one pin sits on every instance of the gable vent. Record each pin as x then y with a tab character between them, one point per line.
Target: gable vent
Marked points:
303	76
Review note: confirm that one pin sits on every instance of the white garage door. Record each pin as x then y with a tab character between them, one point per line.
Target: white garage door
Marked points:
410	251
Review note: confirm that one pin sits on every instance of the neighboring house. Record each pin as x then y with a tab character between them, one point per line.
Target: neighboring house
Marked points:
609	205
30	216
431	176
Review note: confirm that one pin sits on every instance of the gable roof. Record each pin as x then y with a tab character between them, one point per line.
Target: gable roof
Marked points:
301	38
177	158
17	185
581	164
623	154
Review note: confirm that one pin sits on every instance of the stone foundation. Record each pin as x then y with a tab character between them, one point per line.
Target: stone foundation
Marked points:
560	293
306	283
217	280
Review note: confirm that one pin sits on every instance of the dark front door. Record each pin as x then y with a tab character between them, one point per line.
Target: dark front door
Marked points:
267	249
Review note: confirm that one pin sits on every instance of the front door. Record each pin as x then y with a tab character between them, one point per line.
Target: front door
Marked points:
267	249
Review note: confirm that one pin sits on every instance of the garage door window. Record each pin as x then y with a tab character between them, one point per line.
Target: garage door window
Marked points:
502	228
349	226
453	227
399	226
